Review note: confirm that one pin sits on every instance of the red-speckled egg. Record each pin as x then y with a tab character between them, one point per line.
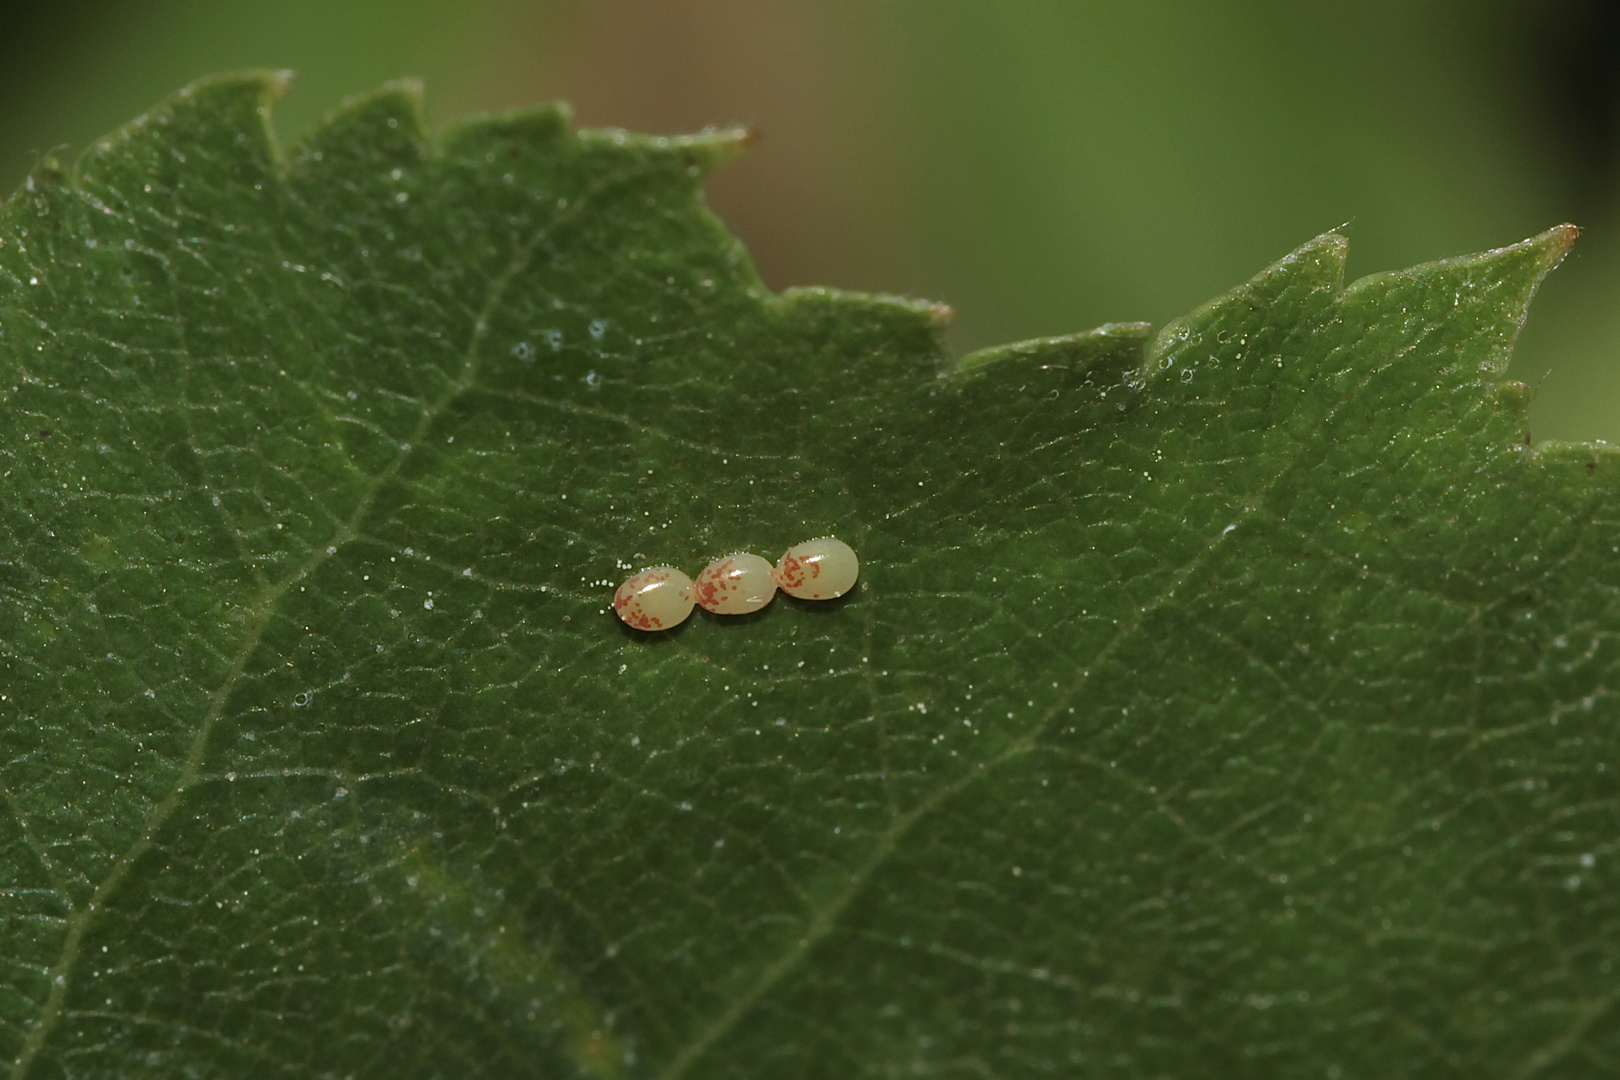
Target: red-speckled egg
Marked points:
735	584
657	598
819	569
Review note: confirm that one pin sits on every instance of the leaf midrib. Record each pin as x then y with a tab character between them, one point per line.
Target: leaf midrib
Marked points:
81	917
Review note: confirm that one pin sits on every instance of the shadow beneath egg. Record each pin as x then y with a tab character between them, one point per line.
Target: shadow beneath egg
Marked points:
813	608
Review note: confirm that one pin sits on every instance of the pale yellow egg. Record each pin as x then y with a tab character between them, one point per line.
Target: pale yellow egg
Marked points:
657	598
819	569
735	584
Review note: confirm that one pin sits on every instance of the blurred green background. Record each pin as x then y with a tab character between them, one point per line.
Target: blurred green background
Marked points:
1042	167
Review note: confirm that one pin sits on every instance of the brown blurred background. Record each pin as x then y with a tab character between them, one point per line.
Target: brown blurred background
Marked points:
1042	167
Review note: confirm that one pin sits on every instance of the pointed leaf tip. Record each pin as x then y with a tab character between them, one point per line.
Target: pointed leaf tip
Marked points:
718	146
1559	239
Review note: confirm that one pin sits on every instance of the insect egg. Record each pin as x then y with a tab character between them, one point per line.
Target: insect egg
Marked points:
818	569
657	598
735	584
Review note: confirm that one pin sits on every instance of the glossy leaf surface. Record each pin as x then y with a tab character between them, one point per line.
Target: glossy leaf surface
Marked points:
1231	701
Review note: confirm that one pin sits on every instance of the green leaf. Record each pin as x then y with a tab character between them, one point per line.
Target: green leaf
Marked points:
1232	702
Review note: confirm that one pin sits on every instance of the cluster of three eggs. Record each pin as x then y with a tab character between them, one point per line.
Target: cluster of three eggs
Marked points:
661	596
